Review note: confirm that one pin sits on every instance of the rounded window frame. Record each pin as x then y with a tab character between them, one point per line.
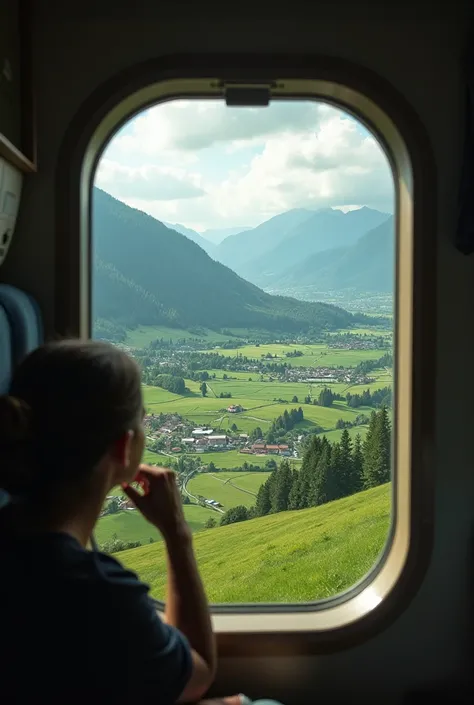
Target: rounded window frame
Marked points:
375	600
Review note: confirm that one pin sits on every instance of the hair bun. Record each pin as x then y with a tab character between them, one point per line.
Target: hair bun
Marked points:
14	420
15	425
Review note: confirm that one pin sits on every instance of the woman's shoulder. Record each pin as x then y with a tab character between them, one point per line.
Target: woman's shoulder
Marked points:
110	571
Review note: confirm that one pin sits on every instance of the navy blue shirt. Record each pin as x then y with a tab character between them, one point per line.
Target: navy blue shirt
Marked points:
76	627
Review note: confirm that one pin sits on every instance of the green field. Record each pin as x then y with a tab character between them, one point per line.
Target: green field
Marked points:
229	488
258	411
313	355
336	434
131	525
287	557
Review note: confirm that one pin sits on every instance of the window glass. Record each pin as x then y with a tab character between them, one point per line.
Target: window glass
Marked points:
246	258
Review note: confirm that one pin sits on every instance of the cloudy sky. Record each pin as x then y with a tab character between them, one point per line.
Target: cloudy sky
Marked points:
204	165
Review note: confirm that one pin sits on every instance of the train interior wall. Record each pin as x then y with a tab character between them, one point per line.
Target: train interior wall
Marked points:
417	48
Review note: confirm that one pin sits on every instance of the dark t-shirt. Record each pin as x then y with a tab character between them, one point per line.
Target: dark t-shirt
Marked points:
76	627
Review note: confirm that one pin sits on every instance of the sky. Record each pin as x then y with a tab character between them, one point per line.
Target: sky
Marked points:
205	165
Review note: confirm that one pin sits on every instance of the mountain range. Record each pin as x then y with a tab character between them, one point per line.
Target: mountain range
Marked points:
206	245
367	265
146	273
269	253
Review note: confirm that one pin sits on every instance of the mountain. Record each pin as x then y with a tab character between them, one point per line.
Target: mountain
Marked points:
192	235
368	265
325	229
247	247
217	235
145	273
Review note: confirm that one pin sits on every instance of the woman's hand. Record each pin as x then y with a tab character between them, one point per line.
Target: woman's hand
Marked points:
161	502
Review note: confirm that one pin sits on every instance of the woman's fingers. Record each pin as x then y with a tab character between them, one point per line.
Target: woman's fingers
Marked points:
229	700
132	494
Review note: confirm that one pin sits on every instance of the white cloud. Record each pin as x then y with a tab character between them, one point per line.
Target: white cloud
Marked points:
150	183
190	125
303	155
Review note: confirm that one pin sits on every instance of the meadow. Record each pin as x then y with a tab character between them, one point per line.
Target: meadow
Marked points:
229	489
288	557
142	336
130	525
259	410
313	355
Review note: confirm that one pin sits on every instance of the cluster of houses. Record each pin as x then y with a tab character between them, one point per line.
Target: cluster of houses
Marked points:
325	375
358	344
203	439
266	449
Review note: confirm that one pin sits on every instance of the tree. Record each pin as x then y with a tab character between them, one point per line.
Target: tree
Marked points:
376	450
203	389
307	472
211	523
113	506
234	427
325	486
294	498
345	478
326	397
357	464
256	434
281	489
294	400
234	515
262	503
172	383
211	467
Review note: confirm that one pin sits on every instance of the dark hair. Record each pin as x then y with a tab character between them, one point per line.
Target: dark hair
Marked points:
68	402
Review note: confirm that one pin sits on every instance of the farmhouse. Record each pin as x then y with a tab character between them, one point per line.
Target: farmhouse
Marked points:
272	449
217	441
234	408
188	441
200	432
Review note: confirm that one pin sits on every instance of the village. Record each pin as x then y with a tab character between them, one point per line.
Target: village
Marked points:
174	436
327	375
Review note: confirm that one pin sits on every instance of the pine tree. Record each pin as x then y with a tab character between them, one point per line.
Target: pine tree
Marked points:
281	489
294	498
377	450
336	471
325	450
357	465
348	483
325	489
308	470
262	503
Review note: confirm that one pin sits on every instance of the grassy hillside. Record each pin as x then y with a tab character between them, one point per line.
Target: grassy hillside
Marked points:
146	273
288	557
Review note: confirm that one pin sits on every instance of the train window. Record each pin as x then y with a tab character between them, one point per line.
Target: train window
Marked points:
258	263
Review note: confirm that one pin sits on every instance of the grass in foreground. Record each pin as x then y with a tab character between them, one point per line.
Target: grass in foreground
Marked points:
288	557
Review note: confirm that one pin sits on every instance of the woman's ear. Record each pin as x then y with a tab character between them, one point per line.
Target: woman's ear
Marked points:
122	448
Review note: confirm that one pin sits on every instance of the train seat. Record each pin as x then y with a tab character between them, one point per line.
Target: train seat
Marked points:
6	363
24	320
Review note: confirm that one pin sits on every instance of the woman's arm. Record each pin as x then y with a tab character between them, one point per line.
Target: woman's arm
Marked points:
186	609
186	604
